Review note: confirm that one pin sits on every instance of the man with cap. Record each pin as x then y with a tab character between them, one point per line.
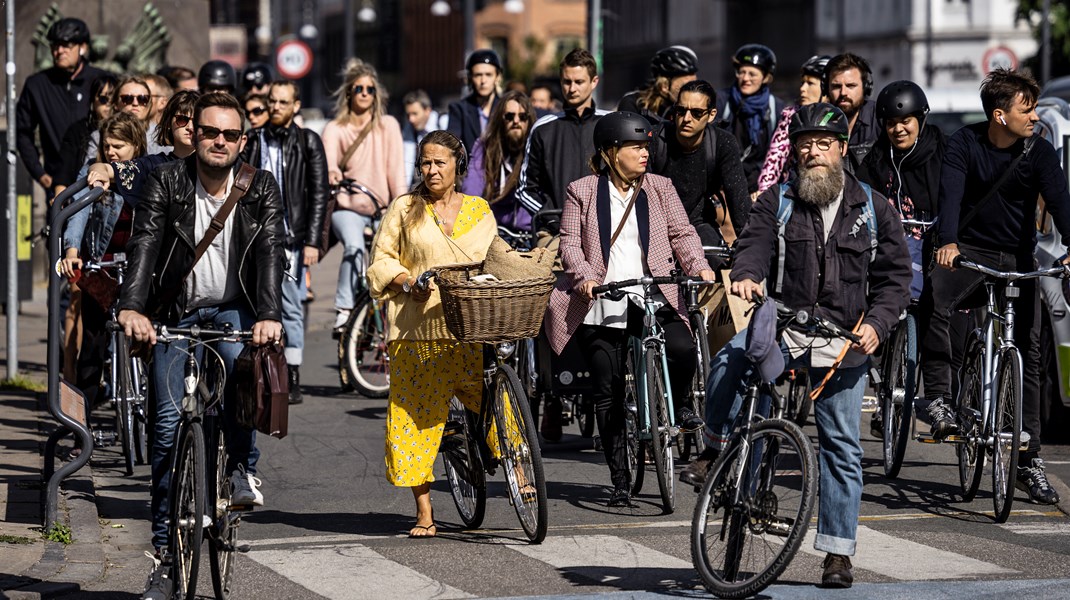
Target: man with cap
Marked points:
54	99
839	255
468	116
671	68
217	76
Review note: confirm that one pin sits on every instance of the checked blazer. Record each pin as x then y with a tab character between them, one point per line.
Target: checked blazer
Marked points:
664	231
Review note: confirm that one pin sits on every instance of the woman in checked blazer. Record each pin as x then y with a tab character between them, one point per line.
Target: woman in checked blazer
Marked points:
622	224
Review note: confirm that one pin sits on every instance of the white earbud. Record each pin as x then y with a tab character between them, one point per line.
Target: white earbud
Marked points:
1002	120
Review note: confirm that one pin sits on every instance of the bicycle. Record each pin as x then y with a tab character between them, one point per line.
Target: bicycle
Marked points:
755	506
363	360
990	396
197	507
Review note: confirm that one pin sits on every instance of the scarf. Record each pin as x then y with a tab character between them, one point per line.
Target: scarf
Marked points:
752	110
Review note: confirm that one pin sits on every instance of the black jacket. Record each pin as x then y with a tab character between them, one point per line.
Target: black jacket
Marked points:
753	154
830	279
559	148
865	133
912	180
305	179
464	120
52	101
162	244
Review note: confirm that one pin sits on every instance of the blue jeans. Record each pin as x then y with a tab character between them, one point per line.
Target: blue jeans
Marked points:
168	367
293	306
838	413
349	227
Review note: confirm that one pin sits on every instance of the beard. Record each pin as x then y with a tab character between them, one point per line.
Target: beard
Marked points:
820	187
515	140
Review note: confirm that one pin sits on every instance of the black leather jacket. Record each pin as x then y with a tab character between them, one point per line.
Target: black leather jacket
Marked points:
161	247
304	175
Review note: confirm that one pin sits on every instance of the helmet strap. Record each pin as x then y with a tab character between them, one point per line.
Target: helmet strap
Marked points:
615	167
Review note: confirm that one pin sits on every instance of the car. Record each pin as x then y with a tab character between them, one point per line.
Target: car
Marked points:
951	108
1057	88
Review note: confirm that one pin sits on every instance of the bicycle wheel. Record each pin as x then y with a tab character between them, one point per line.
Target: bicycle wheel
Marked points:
464	468
363	349
695	442
742	540
799	402
1007	430
521	458
971	454
585	419
223	539
123	394
140	420
660	429
187	510
636	449
897	395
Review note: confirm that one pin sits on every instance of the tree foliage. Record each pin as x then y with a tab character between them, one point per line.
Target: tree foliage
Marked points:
1031	11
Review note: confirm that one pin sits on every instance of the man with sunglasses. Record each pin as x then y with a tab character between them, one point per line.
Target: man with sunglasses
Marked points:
703	164
54	99
296	158
237	280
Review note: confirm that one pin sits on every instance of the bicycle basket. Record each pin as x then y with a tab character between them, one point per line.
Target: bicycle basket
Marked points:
492	311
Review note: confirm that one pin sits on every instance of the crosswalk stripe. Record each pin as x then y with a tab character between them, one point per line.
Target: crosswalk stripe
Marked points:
607	558
907	560
1037	528
343	572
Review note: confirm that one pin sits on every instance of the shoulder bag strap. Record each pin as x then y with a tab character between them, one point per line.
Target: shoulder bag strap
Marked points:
348	154
237	191
627	213
995	188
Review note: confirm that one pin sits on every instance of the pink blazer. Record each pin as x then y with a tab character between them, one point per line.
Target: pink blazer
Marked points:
669	239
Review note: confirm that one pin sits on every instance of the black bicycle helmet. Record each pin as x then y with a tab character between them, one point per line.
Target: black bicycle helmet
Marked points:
614	129
216	75
674	61
755	55
68	31
256	74
485	56
819	116
815	65
902	98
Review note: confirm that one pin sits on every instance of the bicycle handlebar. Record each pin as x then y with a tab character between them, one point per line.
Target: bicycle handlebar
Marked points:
1059	270
812	323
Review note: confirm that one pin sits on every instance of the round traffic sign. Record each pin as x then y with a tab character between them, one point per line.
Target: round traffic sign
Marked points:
999	57
293	59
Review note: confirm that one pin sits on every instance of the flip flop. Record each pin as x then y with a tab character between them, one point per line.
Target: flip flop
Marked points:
427	528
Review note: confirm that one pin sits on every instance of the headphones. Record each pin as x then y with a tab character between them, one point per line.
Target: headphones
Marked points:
1002	120
862	65
462	159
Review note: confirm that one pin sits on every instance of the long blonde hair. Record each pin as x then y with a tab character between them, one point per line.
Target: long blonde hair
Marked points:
355	69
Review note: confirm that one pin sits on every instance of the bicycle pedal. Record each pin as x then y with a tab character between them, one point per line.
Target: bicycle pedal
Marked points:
206	521
240	507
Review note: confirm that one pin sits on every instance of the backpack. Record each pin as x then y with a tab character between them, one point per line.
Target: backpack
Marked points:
783	215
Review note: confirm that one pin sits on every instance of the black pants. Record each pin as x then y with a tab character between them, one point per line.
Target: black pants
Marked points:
963	288
605	349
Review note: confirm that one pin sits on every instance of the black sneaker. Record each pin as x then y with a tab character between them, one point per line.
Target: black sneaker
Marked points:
620	497
943	420
837	572
1033	480
876	425
695	473
159	586
689	421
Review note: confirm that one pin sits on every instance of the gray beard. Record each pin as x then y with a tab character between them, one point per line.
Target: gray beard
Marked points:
820	188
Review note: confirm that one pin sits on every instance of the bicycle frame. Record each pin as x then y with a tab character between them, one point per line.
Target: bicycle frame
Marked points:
990	360
652	337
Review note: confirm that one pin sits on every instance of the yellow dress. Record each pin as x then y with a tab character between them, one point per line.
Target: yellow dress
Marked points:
424	376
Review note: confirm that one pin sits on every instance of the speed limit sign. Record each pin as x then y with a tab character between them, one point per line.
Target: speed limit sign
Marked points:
293	59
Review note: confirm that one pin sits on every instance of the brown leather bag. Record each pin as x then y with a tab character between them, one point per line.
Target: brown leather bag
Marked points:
263	388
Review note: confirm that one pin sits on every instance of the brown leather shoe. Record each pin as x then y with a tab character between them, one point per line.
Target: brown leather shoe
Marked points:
695	473
837	572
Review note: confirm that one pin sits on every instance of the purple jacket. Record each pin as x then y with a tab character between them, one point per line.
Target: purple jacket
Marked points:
508	211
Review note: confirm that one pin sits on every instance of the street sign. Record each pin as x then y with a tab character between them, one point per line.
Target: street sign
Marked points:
999	57
293	59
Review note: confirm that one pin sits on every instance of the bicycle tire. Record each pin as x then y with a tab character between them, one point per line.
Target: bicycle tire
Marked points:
971	454
223	540
142	446
1007	430
464	469
661	441
897	395
123	397
363	349
187	510
635	449
521	457
585	419
799	402
695	442
773	517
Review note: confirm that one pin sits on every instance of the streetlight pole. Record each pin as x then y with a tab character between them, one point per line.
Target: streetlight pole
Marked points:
469	28
1045	44
349	31
594	36
12	205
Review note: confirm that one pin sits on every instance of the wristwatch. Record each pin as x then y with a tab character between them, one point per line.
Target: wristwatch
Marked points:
406	287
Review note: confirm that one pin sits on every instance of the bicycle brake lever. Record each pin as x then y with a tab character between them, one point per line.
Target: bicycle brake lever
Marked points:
614	295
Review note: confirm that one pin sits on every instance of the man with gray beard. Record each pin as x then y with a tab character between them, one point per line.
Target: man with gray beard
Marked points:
830	269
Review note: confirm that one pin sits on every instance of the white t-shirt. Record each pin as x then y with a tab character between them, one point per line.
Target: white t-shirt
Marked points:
214	279
626	261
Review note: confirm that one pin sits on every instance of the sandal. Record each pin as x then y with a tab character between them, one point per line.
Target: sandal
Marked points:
429	531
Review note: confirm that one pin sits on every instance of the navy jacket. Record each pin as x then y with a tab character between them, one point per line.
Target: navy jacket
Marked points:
464	120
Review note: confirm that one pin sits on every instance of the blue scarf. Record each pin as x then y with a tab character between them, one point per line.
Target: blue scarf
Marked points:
752	110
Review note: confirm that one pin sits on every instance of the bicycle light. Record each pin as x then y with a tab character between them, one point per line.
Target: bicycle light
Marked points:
505	350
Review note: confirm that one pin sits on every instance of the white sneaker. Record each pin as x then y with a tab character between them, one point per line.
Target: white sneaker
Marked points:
254	484
341	317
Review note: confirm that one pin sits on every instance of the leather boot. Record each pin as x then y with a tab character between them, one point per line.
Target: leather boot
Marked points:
295	385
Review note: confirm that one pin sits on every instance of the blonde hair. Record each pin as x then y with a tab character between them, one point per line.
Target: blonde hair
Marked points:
355	69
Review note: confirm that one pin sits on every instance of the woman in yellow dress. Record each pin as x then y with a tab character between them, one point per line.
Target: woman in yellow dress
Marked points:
432	226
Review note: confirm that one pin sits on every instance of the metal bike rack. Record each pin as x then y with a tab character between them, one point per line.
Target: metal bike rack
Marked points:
66	403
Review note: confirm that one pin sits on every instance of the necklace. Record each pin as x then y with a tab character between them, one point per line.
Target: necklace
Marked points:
438	218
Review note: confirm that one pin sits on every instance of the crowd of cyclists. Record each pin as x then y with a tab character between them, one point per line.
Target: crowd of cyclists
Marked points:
680	165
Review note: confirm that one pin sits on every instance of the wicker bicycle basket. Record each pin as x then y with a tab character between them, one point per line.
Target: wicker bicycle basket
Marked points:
493	311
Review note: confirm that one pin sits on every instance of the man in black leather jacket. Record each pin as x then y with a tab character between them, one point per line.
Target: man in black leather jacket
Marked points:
237	281
295	157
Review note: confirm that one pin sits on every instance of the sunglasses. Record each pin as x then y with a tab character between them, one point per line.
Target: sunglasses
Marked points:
139	99
104	99
182	120
360	89
509	116
211	133
255	112
696	113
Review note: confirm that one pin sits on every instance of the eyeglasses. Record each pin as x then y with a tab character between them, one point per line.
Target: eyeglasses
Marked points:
509	116
696	113
255	112
822	144
360	89
104	99
182	120
139	99
211	133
